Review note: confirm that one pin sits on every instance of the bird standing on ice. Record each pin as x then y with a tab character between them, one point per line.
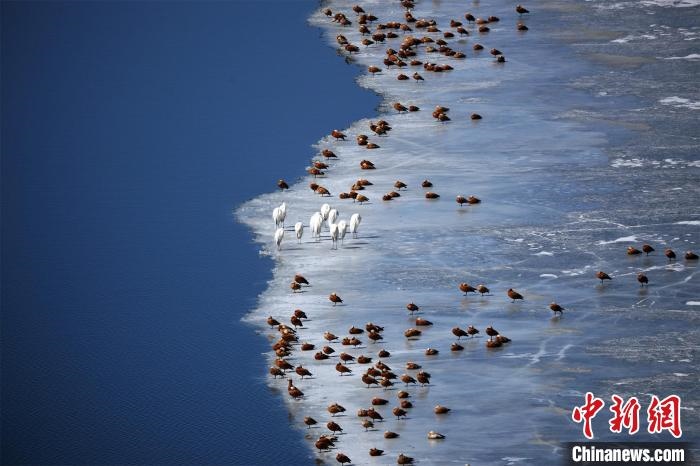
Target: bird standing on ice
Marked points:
355	221
279	234
333	227
342	229
299	230
315	223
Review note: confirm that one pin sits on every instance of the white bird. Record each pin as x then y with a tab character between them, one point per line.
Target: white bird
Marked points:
315	224
333	227
342	229
283	212
299	230
279	234
325	210
355	220
332	216
277	216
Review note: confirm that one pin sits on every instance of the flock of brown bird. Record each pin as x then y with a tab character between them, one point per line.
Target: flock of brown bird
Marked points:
379	374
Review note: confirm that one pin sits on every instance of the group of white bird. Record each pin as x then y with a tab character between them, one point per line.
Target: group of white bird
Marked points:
326	214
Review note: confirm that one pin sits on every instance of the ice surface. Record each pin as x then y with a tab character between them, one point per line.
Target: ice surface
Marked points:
555	210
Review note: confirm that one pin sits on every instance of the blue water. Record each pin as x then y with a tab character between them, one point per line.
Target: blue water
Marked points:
130	131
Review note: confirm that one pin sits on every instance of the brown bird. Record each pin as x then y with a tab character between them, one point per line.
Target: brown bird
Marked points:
441	409
670	254
282	184
431	195
482	290
375	337
389	434
402	77
295	287
345	357
423	378
405	378
272	322
383	353
293	391
319	356
642	279
307	346
466	288
556	308
302	371
431	352
309	421
410	365
398	412
335	299
412	307
512	294
374	415
379	401
459	333
477	47
461	200
338	135
427	183
342	458
335	408
602	276
369	380
522	27
473	200
300	314
362	359
334	426
300	279
475	116
402	395
494	343
367	424
399	108
276	371
691	256
329	154
632	251
371	145
484	29
471	330
283	364
491	332
469	17
521	10
329	336
323	444
412	332
502	339
355	331
405	404
373	69
495	52
342	369
400	185
423	322
296	321
418	77
456	347
375	452
323	191
386	383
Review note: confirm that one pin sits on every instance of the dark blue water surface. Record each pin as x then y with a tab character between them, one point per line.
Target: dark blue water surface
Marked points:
130	130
